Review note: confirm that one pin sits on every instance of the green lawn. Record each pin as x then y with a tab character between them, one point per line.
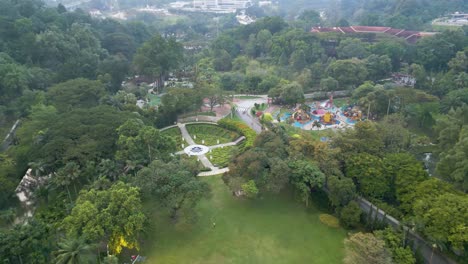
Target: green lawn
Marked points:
154	99
210	134
271	230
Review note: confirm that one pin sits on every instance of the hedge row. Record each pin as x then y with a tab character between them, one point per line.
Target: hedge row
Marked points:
241	128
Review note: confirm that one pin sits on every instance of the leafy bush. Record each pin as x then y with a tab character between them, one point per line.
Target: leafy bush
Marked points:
250	189
350	215
241	128
329	220
222	156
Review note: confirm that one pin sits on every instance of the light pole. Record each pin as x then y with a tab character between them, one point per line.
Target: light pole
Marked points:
432	254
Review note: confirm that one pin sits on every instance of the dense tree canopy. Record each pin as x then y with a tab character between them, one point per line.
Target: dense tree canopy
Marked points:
113	215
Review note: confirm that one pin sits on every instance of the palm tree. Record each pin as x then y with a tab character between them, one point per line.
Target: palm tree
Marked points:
72	172
43	192
60	179
75	251
108	168
37	167
461	80
67	175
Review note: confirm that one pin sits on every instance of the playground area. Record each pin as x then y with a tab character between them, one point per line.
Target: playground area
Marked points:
320	115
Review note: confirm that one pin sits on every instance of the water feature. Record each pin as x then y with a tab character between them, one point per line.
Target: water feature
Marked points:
196	150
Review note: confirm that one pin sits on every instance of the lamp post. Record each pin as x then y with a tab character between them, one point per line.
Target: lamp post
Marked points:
432	254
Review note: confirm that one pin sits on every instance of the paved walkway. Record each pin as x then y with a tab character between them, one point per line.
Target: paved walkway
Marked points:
186	134
203	159
227	144
217	146
213	172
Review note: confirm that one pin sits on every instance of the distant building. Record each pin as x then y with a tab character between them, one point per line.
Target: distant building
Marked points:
221	4
458	15
410	36
244	19
457	19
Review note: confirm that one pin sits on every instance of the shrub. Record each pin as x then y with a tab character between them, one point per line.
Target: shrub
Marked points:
250	189
350	215
222	156
329	220
242	129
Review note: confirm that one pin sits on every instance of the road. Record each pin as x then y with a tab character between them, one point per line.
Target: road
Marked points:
243	110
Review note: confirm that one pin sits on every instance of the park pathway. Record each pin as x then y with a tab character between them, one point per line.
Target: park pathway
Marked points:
186	134
213	172
234	143
203	159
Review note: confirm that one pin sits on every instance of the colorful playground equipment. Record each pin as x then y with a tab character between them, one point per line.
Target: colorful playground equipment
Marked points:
328	118
320	115
301	116
353	113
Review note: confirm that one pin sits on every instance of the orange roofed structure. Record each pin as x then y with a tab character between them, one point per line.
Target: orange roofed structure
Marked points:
410	36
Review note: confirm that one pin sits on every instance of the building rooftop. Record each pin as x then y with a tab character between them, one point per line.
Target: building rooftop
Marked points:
408	35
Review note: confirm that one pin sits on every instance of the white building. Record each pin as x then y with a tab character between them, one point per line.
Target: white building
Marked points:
221	4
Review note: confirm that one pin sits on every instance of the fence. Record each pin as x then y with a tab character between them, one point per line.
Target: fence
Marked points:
429	253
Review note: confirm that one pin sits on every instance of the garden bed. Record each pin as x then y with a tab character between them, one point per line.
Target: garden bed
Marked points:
222	156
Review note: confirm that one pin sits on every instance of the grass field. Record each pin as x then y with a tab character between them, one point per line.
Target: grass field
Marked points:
154	100
211	134
273	230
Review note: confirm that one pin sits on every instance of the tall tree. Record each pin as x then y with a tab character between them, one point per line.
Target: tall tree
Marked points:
365	248
174	187
444	219
156	57
305	176
351	48
292	93
77	93
351	72
142	144
113	216
214	95
341	191
368	173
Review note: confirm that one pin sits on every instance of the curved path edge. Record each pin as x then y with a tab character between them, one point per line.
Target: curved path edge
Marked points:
213	172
